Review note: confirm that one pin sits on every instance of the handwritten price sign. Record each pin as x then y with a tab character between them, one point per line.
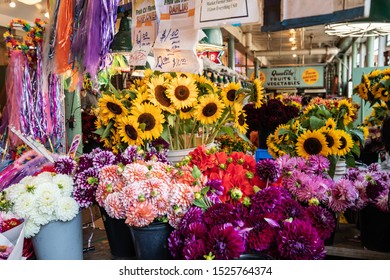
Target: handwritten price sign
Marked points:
176	61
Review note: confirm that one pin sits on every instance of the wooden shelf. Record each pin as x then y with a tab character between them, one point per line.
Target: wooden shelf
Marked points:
347	245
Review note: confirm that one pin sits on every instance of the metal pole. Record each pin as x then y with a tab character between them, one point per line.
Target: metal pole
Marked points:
363	50
381	50
345	75
256	68
370	51
231	56
354	54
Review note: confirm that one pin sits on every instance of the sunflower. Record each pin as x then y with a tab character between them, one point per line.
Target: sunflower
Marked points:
362	91
365	131
149	119
332	140
279	136
346	142
380	93
209	109
296	104
272	148
158	94
110	108
312	143
141	98
258	93
229	93
129	131
115	141
202	81
182	92
239	119
186	113
309	108
295	126
348	110
148	73
330	124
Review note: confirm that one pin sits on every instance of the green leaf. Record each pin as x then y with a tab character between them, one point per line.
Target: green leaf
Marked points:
208	87
350	160
171	120
200	203
100	131
228	130
316	123
283	131
305	123
205	190
333	160
356	150
358	133
196	173
107	131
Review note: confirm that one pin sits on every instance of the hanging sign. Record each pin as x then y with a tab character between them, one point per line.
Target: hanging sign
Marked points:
293	77
143	31
213	13
214	56
174	47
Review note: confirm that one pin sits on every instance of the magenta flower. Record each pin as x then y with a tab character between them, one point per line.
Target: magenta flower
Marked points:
195	250
318	164
193	215
290	208
65	165
225	242
268	170
262	237
103	158
266	200
220	213
322	219
298	240
176	244
343	195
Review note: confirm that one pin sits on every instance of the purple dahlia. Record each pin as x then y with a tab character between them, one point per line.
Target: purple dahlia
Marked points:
268	170
322	219
65	165
175	244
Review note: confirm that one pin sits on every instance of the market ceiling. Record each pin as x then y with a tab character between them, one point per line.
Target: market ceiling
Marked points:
308	45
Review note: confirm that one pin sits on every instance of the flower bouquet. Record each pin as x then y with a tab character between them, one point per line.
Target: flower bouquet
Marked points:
11	236
325	128
186	110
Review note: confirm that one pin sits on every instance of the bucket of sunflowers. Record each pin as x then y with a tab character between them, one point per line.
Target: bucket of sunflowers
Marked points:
186	110
324	128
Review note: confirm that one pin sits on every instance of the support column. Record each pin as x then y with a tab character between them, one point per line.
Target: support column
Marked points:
362	58
354	54
231	56
381	50
370	51
339	74
256	68
345	75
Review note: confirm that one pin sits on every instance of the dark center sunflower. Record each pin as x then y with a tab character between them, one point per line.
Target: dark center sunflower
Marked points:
231	95
312	146
148	120
182	93
329	140
210	109
241	119
131	132
330	126
186	109
343	142
114	108
161	97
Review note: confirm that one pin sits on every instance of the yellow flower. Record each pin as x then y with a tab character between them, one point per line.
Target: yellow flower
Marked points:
346	106
296	104
110	108
311	143
182	91
209	109
149	119
330	124
158	94
239	119
308	109
141	98
258	93
332	140
187	113
279	137
129	131
346	142
229	94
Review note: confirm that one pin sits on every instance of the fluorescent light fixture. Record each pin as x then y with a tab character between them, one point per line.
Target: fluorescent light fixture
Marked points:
30	2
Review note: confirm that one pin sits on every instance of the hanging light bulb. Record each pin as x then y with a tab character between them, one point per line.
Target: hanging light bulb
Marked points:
12	4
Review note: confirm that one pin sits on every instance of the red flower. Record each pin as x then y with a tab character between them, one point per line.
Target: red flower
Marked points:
236	178
201	159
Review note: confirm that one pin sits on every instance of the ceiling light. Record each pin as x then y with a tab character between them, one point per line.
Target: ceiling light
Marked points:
46	14
293	48
291	39
358	29
12	4
30	2
294	55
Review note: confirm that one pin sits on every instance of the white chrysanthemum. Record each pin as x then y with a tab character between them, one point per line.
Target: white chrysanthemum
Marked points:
45	177
26	180
67	208
47	194
13	192
31	229
40	218
25	204
64	183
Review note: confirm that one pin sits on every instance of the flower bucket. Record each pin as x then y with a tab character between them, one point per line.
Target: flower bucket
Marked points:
118	235
375	229
340	170
255	256
262	136
60	240
151	242
176	156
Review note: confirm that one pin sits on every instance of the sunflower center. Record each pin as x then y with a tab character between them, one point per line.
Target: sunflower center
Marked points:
210	109
330	141
182	93
312	146
148	120
231	95
114	108
186	109
131	132
241	119
161	97
343	142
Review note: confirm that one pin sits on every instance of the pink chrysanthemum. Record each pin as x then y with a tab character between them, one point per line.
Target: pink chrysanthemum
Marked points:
109	175
295	181
133	193
135	172
113	206
182	195
140	215
343	195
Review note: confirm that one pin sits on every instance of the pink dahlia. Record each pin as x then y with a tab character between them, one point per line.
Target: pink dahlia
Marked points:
113	206
343	195
140	215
